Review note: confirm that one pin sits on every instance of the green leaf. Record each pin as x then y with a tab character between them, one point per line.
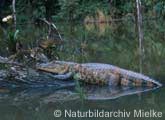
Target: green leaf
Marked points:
16	34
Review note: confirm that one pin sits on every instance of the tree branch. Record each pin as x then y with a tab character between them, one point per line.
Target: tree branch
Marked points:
14	14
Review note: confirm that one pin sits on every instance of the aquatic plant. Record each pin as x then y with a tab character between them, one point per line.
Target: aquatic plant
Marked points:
79	89
12	40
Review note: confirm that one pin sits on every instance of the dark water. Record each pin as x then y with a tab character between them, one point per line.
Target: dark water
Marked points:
115	43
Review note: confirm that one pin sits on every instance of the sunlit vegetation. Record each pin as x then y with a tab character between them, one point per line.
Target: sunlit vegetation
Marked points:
93	30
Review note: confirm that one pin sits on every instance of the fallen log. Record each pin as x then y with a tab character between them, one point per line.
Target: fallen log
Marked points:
4	60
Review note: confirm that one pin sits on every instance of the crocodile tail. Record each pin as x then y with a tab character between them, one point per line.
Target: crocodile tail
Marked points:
140	82
130	78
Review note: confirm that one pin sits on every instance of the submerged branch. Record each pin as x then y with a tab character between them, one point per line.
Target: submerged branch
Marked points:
7	61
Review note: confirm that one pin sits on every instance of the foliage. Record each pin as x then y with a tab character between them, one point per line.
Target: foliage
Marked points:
86	43
79	9
12	39
71	7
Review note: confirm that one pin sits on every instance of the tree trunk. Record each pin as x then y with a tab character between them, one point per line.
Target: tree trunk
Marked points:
140	31
14	15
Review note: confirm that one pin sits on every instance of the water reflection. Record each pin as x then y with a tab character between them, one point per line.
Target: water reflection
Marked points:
56	94
41	105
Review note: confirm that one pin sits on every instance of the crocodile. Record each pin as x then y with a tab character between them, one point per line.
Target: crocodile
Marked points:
96	73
